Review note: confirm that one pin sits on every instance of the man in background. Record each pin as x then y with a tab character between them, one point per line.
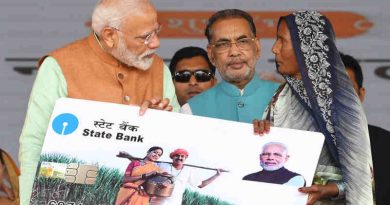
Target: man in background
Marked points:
192	72
379	137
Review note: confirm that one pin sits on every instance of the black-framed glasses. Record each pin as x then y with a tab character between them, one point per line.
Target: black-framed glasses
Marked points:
225	45
185	76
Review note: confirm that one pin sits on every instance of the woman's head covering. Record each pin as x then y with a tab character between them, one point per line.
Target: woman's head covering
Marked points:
327	93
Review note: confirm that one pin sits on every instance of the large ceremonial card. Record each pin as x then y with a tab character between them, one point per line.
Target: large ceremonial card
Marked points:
80	161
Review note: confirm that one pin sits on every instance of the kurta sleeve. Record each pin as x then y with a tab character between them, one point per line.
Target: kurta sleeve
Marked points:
49	86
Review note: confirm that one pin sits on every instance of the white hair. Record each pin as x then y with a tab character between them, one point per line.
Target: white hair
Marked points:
281	145
112	12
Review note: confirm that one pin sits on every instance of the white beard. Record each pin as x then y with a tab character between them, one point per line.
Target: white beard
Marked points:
127	57
271	168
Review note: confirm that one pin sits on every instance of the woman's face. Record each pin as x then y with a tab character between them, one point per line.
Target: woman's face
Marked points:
286	61
154	155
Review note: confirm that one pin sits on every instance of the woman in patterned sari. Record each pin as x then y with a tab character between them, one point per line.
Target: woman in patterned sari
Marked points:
137	172
318	96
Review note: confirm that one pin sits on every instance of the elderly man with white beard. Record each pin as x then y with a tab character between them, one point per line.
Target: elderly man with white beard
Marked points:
116	63
272	160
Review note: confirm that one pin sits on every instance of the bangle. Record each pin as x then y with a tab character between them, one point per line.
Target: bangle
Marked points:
341	187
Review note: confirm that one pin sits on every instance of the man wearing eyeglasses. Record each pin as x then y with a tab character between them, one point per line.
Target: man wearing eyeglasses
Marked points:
272	160
192	72
115	63
234	49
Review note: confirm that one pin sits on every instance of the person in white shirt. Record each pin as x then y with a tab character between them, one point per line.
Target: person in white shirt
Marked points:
183	176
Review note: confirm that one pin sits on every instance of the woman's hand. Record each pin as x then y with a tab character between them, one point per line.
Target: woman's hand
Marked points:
317	192
261	127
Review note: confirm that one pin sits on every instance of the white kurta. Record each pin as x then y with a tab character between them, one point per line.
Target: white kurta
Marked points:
182	178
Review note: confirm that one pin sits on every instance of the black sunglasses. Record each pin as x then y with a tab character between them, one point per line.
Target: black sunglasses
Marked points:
200	76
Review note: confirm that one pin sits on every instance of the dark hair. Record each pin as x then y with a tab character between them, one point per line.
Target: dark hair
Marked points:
189	52
352	63
228	14
155	148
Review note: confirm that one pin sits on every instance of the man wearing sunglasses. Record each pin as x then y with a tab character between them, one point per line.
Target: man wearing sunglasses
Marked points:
234	50
192	72
116	63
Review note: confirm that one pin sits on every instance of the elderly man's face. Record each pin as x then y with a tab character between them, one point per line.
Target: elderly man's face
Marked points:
273	158
234	50
286	61
187	90
137	39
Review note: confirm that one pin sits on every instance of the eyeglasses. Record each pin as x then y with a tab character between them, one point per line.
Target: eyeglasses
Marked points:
149	36
146	38
185	76
224	46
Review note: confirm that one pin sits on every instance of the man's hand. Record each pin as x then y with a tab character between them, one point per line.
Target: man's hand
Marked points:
317	192
219	171
155	103
261	126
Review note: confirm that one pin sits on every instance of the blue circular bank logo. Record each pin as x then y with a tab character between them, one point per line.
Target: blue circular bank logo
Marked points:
65	124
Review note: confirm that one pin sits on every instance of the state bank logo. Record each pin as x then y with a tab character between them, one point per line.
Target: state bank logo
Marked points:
65	124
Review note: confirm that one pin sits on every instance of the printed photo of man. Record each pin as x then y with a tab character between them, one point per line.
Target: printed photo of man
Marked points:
272	160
